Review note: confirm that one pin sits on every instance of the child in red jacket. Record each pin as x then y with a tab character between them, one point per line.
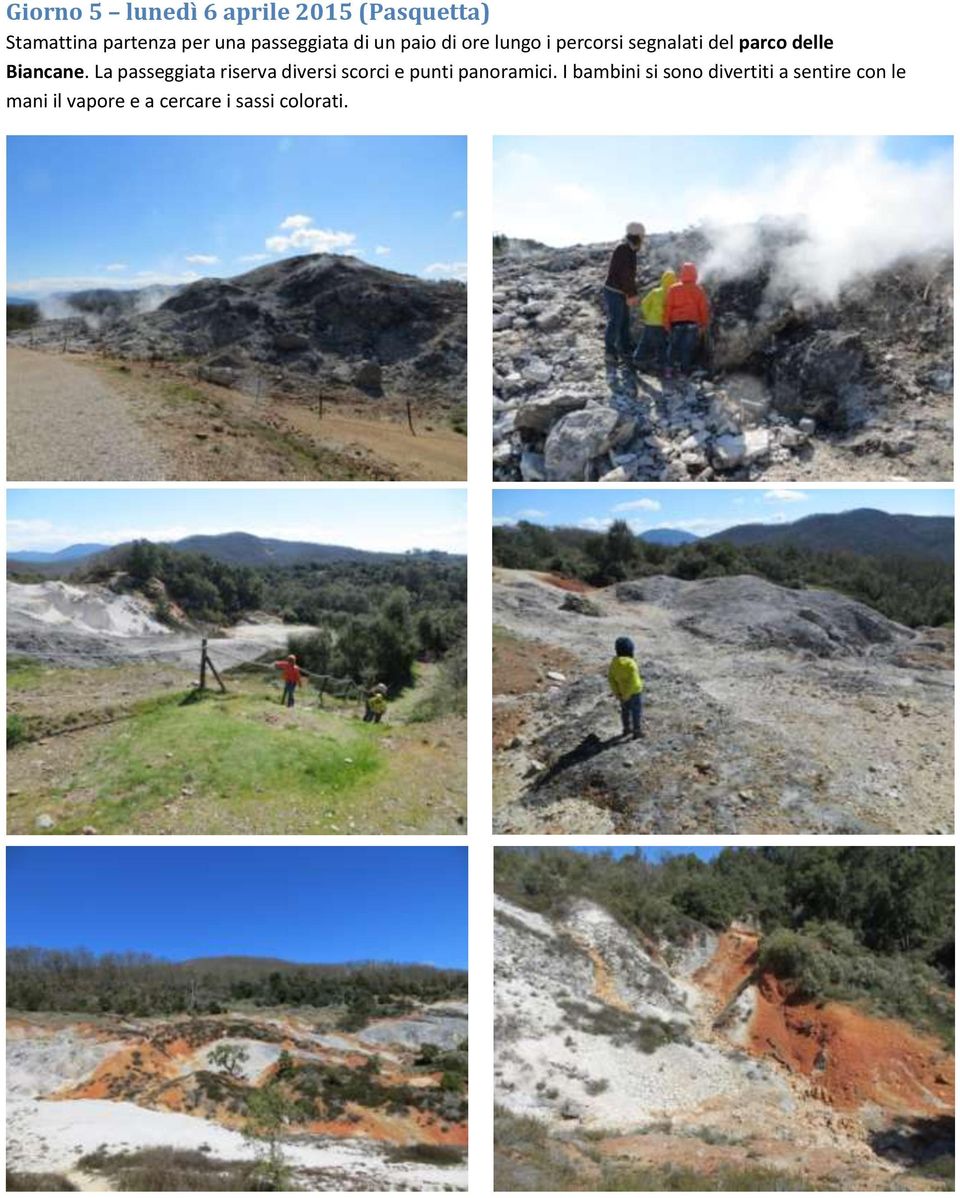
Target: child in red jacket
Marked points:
292	678
686	317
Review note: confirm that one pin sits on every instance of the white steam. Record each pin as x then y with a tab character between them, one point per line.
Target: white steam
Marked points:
116	304
852	210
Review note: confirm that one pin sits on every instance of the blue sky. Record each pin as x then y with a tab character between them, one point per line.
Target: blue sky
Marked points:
141	210
301	904
564	190
659	853
389	519
703	511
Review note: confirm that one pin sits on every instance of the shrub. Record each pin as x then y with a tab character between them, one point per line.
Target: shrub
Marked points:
45	1183
16	731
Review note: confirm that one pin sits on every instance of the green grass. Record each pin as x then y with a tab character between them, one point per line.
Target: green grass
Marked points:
458	419
16	731
223	750
24	673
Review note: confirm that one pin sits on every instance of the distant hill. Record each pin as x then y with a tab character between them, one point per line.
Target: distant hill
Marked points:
244	549
668	536
232	548
863	530
71	553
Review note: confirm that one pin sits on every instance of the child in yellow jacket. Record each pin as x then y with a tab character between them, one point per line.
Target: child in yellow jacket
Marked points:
627	685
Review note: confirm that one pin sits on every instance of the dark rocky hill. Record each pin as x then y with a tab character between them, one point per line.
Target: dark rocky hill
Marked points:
315	321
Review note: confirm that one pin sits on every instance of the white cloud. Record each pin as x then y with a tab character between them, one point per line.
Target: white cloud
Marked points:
381	250
458	214
594	524
786	496
446	270
253	257
202	259
115	266
575	193
304	237
530	513
643	505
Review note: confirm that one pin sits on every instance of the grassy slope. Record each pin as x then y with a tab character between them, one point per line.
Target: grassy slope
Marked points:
234	764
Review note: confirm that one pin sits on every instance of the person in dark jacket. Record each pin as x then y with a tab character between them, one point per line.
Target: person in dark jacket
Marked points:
620	293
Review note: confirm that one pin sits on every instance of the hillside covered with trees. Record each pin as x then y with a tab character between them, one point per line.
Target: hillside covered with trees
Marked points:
137	984
874	924
912	589
374	617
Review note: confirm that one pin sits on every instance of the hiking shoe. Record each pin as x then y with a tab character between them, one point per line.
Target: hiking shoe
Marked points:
639	734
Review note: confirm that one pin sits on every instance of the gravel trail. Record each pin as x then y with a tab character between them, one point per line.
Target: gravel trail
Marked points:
64	422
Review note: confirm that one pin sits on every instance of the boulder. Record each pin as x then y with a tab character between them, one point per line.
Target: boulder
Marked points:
576	439
813	378
369	377
540	413
741	449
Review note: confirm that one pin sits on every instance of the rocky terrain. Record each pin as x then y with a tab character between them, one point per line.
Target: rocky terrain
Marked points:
791	387
766	710
308	325
372	1114
615	1053
67	624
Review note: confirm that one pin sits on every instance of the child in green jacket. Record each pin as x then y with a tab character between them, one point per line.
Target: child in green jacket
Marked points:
626	683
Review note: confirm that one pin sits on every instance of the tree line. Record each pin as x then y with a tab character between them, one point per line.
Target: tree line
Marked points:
375	619
912	590
852	921
138	984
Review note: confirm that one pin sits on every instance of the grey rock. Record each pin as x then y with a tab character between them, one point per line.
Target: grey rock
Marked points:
533	467
542	411
576	439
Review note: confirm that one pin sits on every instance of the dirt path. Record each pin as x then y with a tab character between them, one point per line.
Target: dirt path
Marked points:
119	421
66	422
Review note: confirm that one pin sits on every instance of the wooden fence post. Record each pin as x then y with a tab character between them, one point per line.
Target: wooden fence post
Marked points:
410	417
203	664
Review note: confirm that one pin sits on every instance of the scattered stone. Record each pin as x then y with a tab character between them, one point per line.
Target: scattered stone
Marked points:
44	822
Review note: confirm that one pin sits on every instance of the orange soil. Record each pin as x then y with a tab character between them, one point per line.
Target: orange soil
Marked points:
851	1057
139	1060
734	959
392	1129
566	584
604	986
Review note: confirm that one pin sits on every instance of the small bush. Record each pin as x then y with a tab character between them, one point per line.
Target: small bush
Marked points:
16	734
158	1170
428	1154
43	1183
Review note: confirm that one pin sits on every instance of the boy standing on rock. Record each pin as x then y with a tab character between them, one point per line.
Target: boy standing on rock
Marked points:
626	683
620	293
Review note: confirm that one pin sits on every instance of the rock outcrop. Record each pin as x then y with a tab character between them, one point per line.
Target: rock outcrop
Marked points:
320	320
790	387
